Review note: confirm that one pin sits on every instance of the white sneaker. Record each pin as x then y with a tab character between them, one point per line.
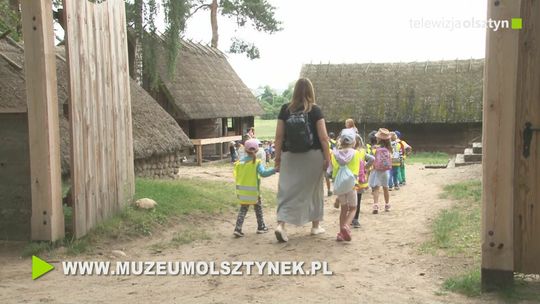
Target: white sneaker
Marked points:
318	230
281	234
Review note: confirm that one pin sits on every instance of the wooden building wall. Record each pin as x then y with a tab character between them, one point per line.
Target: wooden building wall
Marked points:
206	128
15	189
449	138
102	163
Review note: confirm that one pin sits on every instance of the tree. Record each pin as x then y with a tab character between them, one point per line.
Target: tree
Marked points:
260	14
141	16
271	101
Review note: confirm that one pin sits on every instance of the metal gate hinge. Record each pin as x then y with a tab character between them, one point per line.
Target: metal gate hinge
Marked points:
527	138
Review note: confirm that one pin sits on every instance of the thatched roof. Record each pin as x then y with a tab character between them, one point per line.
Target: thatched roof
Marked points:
155	132
417	92
204	85
12	89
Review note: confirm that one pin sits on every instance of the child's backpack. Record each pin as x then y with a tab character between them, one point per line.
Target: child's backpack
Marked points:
298	134
362	176
344	181
383	160
396	153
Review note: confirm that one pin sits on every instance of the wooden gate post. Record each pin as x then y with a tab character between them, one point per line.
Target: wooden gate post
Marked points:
47	221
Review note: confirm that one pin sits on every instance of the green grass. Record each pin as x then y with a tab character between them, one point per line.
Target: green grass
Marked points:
428	158
467	284
456	232
184	198
265	129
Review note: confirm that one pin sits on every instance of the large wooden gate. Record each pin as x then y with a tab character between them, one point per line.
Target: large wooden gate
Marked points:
100	110
527	166
511	175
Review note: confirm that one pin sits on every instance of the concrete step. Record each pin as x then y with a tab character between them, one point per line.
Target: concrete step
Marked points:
470	156
477	148
460	161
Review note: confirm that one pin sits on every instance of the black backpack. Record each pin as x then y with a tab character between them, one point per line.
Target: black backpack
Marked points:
298	133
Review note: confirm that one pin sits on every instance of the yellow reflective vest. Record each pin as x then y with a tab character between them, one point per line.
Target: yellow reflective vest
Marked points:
332	143
353	165
247	181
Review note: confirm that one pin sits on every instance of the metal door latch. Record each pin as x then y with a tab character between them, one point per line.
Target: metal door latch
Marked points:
527	138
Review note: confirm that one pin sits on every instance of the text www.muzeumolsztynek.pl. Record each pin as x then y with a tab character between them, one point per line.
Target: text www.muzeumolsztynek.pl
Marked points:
194	268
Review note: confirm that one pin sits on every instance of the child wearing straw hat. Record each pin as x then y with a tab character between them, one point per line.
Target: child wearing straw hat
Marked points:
246	174
382	165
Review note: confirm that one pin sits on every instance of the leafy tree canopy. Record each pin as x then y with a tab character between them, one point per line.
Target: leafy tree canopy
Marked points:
271	101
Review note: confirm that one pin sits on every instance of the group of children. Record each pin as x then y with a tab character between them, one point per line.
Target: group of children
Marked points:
355	167
266	152
378	164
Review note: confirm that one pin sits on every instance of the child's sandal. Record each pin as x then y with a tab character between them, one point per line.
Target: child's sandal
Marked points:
387	207
345	233
375	209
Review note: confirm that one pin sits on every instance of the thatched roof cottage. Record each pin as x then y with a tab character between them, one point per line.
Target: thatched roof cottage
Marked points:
205	95
159	143
435	105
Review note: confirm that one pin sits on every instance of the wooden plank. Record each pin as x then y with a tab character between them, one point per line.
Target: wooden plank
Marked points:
498	131
527	170
116	113
101	174
123	64
109	124
47	221
14	111
74	16
217	140
199	155
90	108
102	153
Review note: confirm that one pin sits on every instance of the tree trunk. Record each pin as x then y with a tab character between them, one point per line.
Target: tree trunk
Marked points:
213	21
138	47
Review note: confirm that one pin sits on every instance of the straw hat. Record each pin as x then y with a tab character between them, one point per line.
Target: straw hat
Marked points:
383	134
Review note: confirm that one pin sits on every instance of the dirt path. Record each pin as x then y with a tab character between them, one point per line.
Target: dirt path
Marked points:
381	265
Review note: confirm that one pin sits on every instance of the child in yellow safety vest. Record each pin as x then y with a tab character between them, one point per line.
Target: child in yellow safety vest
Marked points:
247	173
397	159
345	162
407	149
366	160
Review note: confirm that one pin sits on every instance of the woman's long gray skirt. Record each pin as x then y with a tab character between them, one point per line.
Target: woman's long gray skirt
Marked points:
300	193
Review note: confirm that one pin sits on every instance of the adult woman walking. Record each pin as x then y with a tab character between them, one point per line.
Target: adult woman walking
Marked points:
302	157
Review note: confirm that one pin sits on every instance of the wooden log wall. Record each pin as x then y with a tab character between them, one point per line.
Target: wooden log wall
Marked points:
160	166
102	169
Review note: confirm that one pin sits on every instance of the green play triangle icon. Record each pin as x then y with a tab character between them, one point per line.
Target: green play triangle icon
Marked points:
40	267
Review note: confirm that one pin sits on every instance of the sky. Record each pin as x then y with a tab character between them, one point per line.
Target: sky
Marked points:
350	31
